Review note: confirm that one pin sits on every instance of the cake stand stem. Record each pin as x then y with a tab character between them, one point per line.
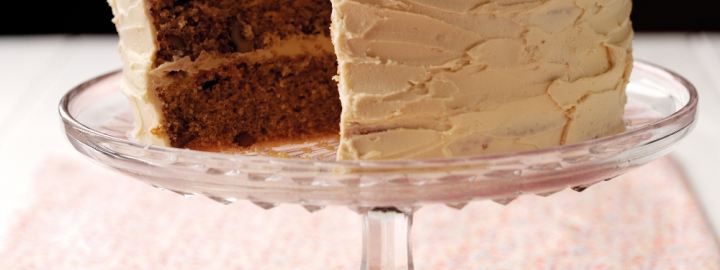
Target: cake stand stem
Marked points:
386	239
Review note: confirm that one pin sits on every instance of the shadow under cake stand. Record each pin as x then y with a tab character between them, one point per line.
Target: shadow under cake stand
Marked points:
661	111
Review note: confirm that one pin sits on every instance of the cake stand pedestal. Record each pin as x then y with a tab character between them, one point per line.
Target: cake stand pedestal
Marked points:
661	110
386	239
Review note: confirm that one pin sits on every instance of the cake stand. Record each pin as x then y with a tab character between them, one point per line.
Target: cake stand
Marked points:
97	119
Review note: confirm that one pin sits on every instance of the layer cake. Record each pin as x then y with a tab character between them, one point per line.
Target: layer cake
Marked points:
397	79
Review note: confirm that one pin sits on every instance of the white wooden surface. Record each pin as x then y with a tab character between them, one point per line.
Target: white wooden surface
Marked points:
36	71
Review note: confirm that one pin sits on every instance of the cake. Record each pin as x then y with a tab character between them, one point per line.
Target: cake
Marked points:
396	79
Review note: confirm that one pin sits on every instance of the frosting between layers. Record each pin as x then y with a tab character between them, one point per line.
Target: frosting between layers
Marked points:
426	78
317	45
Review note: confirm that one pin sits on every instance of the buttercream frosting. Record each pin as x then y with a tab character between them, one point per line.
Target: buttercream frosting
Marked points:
137	48
426	78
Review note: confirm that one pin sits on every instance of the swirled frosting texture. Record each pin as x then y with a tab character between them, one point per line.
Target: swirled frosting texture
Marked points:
427	78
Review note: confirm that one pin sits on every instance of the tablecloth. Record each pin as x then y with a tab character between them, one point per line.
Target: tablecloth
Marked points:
83	216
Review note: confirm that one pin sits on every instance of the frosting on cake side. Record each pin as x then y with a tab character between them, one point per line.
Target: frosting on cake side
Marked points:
426	78
137	48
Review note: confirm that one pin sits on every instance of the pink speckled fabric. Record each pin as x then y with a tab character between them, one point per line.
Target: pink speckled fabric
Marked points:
86	217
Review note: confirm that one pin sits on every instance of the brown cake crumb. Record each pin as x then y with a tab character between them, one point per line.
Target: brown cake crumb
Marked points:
190	27
241	103
238	101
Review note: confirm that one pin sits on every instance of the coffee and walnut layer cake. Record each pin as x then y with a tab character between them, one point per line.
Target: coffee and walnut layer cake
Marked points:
415	78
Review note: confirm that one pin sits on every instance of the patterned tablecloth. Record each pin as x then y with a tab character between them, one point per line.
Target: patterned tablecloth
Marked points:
86	217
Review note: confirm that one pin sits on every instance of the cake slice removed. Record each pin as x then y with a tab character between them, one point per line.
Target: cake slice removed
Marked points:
227	74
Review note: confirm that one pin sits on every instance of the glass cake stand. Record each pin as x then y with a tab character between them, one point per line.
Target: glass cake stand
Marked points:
97	119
